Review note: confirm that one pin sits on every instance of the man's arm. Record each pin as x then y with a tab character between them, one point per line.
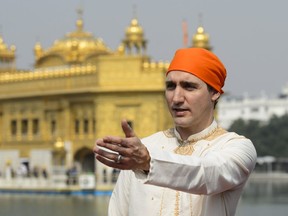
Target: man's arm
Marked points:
219	170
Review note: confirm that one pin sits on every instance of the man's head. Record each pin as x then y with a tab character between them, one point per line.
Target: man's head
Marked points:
194	82
201	63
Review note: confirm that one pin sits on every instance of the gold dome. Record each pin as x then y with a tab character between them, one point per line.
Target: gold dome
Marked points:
75	48
120	49
201	39
134	32
6	54
134	37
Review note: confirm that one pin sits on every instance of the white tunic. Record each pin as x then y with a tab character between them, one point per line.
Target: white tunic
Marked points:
204	177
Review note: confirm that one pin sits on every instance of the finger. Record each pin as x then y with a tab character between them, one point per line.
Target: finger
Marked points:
113	140
128	131
111	156
116	141
112	163
97	142
108	146
107	162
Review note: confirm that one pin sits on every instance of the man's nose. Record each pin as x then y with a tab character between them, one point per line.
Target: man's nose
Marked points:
178	96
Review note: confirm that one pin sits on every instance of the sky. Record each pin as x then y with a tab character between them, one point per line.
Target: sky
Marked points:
249	36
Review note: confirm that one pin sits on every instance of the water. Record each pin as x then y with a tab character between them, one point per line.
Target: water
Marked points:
264	197
51	205
260	198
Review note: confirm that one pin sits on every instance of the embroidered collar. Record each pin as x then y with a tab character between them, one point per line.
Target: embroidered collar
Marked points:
198	136
186	147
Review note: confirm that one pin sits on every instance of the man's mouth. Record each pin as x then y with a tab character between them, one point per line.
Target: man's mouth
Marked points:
179	111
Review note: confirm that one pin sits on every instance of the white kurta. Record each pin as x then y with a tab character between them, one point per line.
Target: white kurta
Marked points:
208	182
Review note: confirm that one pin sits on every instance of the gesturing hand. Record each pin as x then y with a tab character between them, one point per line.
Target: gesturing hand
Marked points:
123	153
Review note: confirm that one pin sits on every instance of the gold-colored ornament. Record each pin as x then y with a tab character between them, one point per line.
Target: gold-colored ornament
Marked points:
187	147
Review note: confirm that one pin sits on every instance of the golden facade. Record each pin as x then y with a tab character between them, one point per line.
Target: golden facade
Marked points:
79	90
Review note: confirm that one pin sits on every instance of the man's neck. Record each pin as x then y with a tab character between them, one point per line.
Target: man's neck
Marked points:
187	132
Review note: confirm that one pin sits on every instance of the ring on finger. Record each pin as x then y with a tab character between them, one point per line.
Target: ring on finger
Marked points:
118	159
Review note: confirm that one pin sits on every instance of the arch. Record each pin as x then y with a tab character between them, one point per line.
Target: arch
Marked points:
85	157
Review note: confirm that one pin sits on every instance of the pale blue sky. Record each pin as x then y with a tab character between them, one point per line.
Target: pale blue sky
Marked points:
250	36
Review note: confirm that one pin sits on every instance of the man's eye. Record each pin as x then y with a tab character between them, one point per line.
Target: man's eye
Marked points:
189	86
170	86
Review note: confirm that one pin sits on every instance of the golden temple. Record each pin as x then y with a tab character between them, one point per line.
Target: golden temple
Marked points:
78	90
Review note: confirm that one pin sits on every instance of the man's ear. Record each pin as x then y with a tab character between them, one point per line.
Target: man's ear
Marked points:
215	96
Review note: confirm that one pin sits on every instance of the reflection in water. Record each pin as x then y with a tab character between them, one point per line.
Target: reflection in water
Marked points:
48	205
264	197
262	191
260	198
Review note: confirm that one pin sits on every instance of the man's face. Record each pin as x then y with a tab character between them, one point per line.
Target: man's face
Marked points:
190	103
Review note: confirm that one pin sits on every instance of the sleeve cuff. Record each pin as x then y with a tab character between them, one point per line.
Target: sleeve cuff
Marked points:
141	175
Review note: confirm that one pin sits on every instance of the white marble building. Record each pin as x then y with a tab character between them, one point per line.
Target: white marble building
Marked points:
260	108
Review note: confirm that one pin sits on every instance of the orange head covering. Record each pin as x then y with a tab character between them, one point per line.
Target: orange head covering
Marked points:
201	63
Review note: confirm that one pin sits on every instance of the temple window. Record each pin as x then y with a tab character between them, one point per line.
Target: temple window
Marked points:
86	126
35	126
24	127
13	127
53	127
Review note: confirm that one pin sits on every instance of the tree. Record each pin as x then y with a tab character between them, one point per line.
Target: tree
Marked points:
269	138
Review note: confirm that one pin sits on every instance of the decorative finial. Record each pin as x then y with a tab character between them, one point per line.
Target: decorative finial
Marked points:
79	22
135	11
80	12
200	17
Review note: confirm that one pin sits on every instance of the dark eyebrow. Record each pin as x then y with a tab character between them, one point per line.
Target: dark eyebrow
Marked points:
169	82
189	83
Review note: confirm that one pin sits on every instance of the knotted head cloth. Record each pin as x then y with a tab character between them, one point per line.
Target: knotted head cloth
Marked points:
202	63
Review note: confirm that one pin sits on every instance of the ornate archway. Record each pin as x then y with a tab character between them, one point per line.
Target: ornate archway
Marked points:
85	157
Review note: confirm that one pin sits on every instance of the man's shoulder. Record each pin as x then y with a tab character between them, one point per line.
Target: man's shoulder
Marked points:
235	135
230	137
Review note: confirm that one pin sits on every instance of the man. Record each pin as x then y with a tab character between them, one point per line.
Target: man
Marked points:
196	168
